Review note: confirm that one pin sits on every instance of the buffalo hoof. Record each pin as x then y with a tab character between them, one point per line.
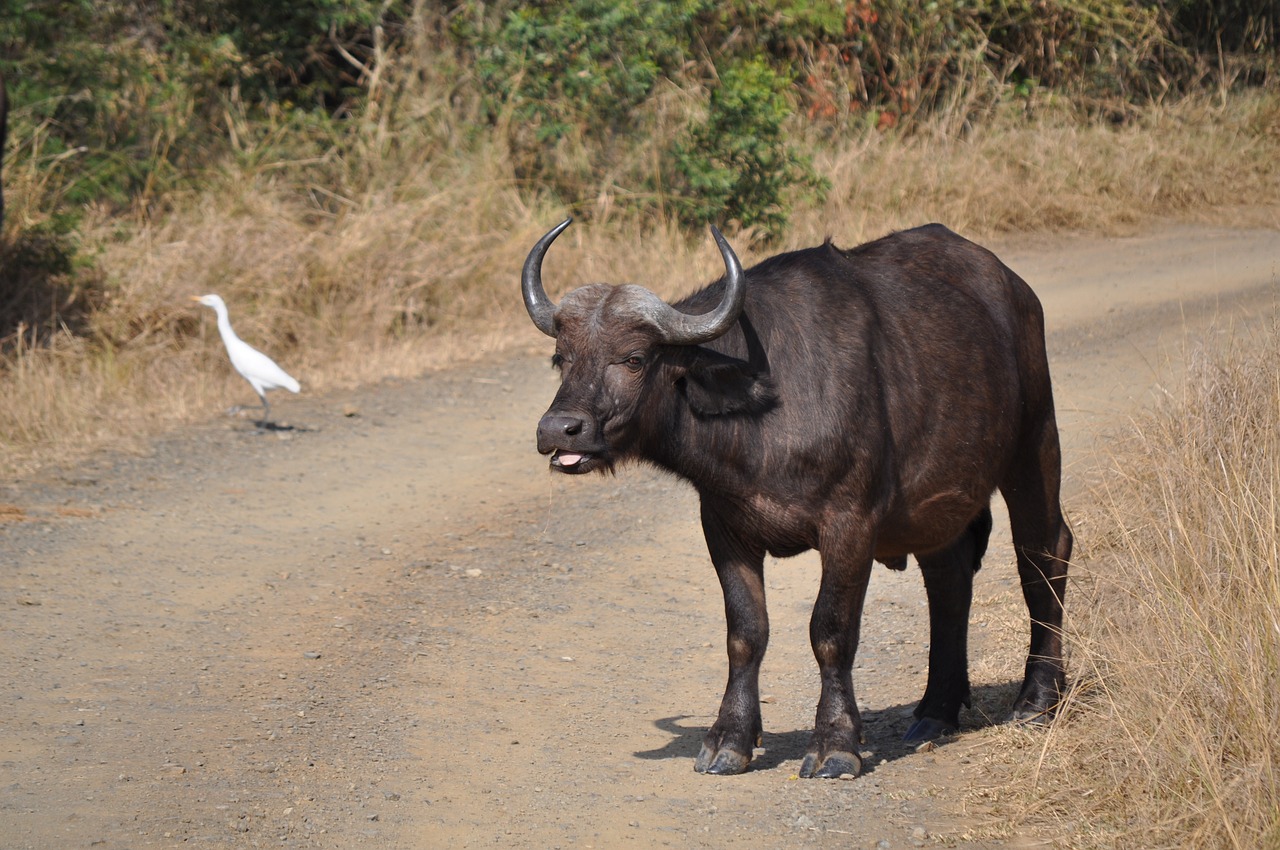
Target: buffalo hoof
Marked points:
1034	708
1038	701
721	763
1029	715
834	766
928	729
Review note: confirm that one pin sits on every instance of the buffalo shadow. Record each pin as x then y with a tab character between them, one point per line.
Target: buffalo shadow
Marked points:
882	730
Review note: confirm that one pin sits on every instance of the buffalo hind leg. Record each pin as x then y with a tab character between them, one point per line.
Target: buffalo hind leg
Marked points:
1042	543
730	742
948	582
833	632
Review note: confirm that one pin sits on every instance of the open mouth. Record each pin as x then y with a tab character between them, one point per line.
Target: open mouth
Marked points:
572	462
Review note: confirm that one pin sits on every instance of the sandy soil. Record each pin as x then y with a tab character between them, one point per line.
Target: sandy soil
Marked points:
391	627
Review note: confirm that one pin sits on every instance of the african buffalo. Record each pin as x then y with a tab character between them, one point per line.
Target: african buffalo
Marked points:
865	403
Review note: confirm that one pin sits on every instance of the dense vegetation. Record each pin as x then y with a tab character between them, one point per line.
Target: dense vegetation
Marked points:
676	104
315	157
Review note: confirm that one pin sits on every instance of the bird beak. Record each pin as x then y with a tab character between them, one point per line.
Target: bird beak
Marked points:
195	298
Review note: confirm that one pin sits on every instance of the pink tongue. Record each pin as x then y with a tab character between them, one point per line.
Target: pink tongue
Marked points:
568	459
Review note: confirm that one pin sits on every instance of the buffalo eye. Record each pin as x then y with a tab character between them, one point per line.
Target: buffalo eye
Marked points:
635	363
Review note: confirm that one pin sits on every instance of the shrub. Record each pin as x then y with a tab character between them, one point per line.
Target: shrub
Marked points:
736	164
126	102
573	74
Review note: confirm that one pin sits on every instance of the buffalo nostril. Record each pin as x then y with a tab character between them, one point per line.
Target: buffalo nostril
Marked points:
555	430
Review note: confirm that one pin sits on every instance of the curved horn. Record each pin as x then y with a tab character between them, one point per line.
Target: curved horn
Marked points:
541	308
684	329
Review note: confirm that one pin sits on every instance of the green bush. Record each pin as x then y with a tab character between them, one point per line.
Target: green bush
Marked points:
573	85
309	53
573	74
737	165
121	102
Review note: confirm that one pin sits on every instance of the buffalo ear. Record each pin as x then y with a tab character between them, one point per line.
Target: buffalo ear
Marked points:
718	389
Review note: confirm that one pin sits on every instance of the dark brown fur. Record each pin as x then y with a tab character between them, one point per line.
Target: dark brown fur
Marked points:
866	404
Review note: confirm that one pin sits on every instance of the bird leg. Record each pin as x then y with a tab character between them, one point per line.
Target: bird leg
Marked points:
266	410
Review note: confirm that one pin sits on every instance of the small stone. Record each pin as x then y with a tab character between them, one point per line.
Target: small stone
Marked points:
474	573
311	655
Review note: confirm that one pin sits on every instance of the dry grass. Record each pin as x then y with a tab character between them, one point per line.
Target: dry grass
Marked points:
1170	739
408	258
1056	173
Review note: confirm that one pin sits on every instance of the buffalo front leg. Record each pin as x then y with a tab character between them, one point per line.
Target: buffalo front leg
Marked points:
833	631
731	740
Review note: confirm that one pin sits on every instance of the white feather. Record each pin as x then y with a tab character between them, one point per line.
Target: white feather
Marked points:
258	369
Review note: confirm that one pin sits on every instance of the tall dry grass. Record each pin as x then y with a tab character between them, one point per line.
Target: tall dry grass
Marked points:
402	254
1171	737
1054	172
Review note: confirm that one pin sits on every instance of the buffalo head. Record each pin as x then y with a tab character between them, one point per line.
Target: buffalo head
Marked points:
613	345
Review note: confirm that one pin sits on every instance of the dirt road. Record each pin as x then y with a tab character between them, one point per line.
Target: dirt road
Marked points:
391	627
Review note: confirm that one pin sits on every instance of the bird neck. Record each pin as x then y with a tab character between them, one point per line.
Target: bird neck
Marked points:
224	325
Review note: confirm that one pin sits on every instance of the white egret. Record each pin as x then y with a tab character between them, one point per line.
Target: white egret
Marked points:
258	369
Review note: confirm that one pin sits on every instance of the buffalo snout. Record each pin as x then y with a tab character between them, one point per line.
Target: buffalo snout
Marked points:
556	427
571	440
